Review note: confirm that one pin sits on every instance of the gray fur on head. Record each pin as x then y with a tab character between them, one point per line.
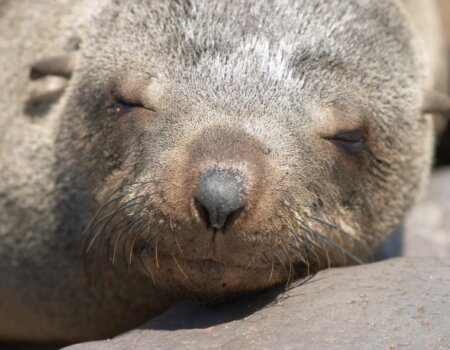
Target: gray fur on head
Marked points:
163	91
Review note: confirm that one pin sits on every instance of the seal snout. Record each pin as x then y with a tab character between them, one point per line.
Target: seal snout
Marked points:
219	198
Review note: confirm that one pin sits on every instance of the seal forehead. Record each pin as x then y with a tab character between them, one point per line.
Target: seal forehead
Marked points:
279	50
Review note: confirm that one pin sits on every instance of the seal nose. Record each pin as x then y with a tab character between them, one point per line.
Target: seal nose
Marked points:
219	198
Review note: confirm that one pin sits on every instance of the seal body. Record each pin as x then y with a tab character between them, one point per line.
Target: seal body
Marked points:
198	150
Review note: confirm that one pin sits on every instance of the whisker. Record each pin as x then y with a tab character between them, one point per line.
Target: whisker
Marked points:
176	262
347	234
120	235
271	270
135	236
156	250
304	227
146	240
300	241
147	271
280	260
99	210
110	201
306	238
124	206
286	253
306	262
138	233
178	244
106	219
330	243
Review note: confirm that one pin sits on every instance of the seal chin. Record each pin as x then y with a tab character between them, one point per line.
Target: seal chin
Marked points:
211	280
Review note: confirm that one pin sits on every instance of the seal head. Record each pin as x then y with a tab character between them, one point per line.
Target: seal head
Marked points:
229	153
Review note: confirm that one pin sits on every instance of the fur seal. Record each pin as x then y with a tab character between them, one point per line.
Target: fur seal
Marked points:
153	151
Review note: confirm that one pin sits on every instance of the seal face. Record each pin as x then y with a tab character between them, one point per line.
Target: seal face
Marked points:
231	159
191	149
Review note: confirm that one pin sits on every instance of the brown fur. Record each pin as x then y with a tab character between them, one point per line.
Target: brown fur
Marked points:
315	106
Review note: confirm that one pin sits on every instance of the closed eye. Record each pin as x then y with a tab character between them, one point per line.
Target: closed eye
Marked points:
353	141
125	105
122	105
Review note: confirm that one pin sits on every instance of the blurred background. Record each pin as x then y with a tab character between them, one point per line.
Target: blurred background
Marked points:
426	231
443	150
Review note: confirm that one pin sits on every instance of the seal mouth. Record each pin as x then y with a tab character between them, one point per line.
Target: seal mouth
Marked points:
210	265
211	280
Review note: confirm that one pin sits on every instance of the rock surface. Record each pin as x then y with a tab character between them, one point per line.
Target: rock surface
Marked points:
401	303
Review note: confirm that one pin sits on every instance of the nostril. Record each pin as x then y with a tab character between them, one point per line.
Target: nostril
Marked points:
202	211
204	215
219	199
233	216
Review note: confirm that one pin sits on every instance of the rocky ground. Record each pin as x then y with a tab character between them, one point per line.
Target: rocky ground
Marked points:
402	303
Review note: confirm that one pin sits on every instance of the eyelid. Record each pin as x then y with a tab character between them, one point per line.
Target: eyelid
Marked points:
118	97
351	141
130	102
347	136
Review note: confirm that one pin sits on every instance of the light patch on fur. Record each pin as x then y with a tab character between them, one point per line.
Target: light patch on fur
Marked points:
272	60
90	10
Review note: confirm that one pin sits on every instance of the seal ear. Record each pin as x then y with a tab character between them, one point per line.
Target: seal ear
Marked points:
436	102
49	77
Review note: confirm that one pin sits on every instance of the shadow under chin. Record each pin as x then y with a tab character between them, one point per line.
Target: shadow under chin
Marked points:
191	315
30	346
201	315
